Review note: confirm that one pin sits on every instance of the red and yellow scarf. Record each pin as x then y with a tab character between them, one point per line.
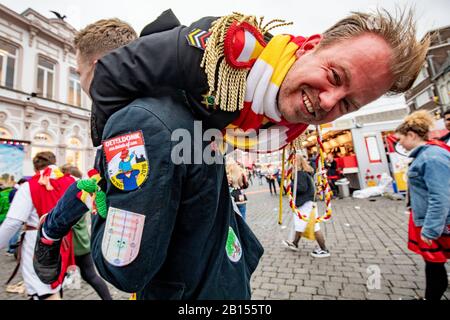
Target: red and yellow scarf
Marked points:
260	69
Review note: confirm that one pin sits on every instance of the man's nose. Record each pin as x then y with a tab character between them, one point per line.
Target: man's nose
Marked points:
328	99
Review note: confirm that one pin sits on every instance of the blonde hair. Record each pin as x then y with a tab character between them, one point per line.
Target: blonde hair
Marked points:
236	174
103	36
418	122
303	165
408	54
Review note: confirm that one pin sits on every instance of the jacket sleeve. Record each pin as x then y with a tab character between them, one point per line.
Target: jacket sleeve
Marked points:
438	197
158	199
162	59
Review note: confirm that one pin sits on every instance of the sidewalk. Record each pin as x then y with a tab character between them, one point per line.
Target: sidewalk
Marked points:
361	234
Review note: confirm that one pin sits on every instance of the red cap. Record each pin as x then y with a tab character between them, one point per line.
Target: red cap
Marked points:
92	173
124	154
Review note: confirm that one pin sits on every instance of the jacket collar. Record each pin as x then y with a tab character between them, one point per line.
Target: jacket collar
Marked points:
417	150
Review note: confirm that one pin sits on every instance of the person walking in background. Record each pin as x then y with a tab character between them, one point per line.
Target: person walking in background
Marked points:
312	160
33	199
82	246
331	166
259	175
13	242
238	182
270	177
446	138
429	199
249	174
304	200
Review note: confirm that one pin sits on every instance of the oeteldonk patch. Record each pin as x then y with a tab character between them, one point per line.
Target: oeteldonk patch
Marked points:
126	160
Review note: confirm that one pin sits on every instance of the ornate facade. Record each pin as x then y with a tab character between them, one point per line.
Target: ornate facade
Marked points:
41	101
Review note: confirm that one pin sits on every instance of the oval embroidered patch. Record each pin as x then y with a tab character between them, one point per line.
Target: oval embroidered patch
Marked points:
126	159
233	246
122	236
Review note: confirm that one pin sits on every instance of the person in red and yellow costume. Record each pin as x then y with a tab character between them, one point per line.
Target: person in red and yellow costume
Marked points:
33	200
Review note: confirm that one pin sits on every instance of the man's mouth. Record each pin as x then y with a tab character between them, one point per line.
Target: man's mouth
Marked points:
308	104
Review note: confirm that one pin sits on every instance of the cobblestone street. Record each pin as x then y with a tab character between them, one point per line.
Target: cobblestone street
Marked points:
361	234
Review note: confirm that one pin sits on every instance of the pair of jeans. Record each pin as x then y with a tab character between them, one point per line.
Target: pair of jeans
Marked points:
272	184
67	212
243	209
12	246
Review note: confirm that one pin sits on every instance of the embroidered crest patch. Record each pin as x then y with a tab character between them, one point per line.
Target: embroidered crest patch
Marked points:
126	160
197	38
233	246
122	236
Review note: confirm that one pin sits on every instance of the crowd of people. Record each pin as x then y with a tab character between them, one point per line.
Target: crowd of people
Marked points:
29	200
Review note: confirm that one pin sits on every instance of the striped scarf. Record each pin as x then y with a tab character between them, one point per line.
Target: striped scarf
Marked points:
260	104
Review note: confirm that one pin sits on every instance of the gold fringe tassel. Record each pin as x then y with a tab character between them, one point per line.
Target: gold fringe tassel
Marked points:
227	84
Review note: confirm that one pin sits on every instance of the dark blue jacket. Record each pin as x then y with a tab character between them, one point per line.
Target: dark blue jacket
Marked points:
305	188
188	215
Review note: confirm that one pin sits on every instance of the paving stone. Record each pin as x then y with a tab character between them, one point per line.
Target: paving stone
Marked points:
376	236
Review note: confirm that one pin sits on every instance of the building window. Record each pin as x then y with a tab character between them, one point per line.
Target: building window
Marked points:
45	78
74	155
5	134
424	98
444	94
423	74
42	142
42	138
372	149
74	88
8	58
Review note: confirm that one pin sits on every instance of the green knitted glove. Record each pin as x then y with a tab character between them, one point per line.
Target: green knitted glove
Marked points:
90	186
100	201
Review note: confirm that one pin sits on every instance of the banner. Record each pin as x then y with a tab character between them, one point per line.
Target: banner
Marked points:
11	163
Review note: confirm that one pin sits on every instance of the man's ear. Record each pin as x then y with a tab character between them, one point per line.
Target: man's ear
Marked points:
309	44
412	135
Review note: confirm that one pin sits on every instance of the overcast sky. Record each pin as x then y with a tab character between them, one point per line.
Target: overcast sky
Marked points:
309	17
313	16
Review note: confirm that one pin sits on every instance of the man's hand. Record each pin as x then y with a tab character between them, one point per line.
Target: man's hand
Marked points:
426	240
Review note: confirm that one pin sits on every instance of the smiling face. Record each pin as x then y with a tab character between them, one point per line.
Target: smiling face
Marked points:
326	83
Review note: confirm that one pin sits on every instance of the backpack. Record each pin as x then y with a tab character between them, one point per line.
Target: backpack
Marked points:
44	200
4	203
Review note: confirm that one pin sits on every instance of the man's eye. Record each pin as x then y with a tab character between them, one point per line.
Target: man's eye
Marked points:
345	106
336	78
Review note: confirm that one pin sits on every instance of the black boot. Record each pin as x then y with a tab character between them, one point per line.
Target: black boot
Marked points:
47	258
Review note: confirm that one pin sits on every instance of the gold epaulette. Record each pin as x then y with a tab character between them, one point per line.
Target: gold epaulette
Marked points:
228	89
227	84
298	142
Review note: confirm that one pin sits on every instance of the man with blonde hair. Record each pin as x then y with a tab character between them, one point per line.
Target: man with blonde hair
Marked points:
237	76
